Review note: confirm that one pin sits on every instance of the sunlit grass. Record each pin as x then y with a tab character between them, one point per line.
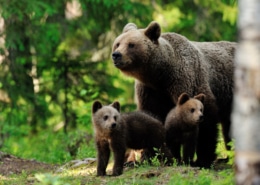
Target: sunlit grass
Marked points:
48	146
51	147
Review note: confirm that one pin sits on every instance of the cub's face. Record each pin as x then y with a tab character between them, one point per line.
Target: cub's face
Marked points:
105	118
192	111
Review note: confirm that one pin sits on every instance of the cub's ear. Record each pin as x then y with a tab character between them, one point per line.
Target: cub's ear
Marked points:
129	26
200	97
153	32
183	98
116	105
96	105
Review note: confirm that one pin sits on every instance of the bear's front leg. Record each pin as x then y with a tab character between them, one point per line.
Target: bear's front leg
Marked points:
103	157
173	142
207	137
175	148
119	150
189	147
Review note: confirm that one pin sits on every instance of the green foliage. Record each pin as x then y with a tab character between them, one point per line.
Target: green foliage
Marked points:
52	74
55	67
155	159
231	153
52	147
200	20
40	147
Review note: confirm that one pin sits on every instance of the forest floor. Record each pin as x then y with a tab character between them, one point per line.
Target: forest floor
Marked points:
15	170
10	165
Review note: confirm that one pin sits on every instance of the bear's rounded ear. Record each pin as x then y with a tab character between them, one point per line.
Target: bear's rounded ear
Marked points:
96	105
200	97
116	105
183	98
153	32
129	26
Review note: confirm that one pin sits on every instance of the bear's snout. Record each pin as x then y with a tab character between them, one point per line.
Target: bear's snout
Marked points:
113	125
201	118
116	56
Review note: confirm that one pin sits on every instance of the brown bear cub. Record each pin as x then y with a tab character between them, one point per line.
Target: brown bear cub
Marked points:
182	127
118	132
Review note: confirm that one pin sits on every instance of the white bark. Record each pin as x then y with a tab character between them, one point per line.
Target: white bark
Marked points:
246	107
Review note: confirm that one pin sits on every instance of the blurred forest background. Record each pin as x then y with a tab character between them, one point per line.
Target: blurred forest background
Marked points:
55	61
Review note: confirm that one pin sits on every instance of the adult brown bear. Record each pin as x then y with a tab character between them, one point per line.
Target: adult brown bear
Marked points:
166	65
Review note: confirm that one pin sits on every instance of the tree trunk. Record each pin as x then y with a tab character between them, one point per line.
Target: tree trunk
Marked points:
246	107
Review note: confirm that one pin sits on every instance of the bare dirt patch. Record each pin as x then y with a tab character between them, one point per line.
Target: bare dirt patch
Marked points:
10	165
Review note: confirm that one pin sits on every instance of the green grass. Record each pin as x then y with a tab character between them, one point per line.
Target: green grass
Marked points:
51	147
143	175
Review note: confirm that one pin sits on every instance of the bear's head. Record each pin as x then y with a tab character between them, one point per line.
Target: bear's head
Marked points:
133	48
190	109
105	118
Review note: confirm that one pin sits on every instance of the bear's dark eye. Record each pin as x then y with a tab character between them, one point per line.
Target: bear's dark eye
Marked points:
192	110
130	45
105	118
117	45
115	118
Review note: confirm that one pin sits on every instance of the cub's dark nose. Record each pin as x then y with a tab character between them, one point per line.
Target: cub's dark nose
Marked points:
113	125
116	55
201	118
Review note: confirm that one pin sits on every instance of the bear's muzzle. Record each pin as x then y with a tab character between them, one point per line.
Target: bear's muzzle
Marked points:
113	125
117	58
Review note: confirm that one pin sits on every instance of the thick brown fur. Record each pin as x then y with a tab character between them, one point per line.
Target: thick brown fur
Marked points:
165	65
118	132
182	127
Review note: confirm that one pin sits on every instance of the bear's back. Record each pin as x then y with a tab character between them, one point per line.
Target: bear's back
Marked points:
210	62
142	130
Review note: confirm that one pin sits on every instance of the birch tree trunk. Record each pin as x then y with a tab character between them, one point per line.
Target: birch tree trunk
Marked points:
246	107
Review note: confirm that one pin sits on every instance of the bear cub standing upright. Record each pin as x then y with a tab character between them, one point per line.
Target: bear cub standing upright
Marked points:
134	130
182	127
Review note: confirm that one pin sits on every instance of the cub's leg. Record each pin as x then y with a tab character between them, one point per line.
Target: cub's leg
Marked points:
103	157
119	150
175	148
189	148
